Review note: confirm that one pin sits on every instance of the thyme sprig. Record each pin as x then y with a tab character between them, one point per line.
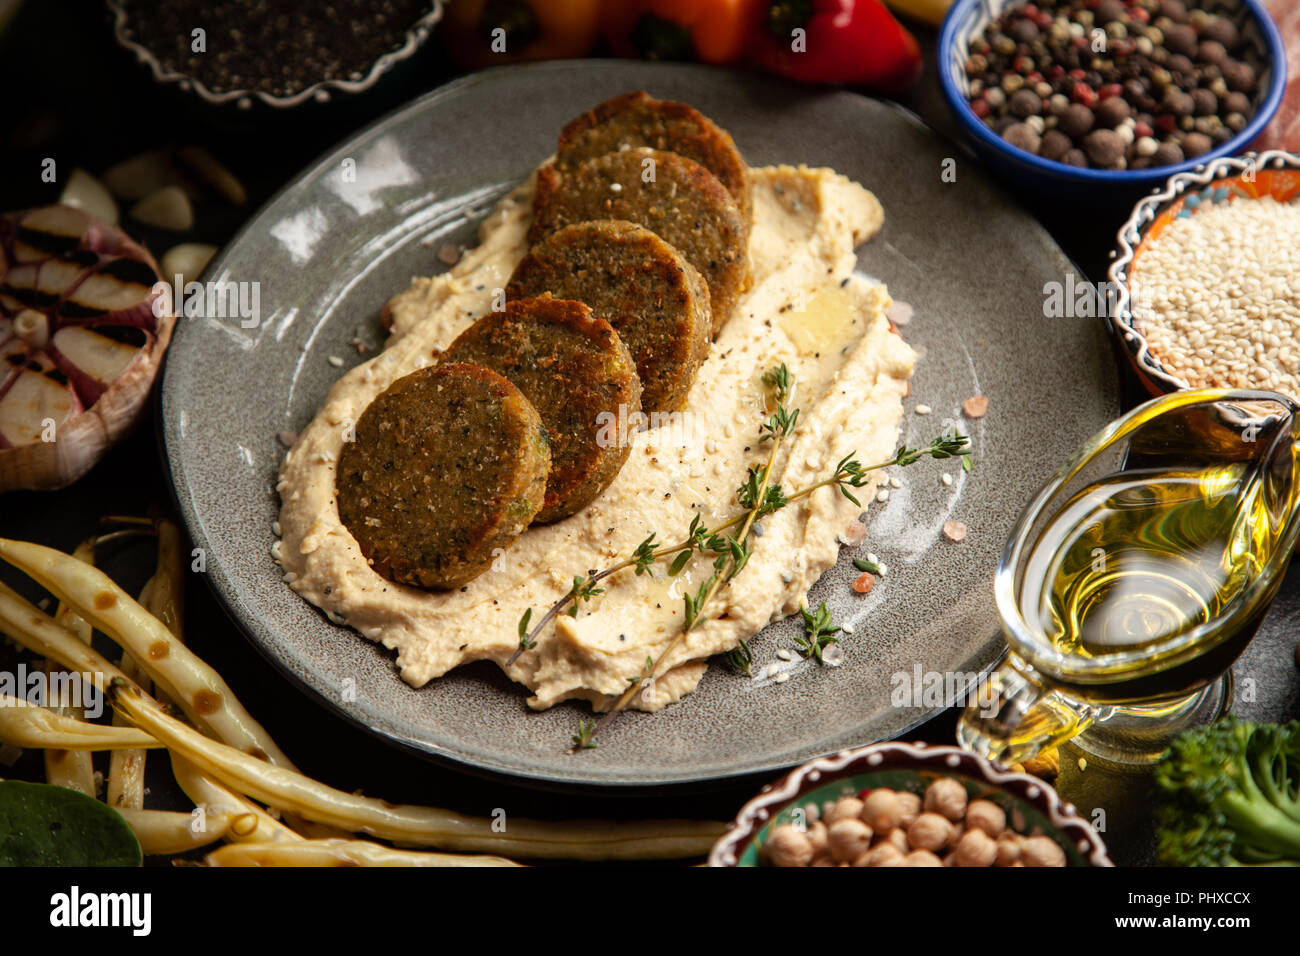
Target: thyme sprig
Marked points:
732	553
758	496
818	632
741	658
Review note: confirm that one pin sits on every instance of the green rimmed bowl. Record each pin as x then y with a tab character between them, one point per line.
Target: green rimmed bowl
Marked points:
1032	806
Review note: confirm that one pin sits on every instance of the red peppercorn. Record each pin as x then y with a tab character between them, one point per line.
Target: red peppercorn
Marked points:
1077	74
1142	129
1139	15
1024	65
1109	90
981	108
1083	93
1166	123
1029	9
1055	71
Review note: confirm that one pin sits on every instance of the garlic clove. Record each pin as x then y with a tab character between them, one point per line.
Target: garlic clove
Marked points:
35	404
166	208
137	177
187	260
93	361
216	176
84	191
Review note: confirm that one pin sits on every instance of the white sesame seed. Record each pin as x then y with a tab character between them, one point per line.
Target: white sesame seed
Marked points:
783	654
1217	297
871	556
895	483
781	678
616	187
335	361
946	478
882	495
923	409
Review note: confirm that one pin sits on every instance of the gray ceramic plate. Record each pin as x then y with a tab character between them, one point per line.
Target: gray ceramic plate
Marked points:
326	255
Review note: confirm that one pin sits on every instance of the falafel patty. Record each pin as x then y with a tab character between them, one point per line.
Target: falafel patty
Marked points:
638	119
674	197
449	463
579	376
656	300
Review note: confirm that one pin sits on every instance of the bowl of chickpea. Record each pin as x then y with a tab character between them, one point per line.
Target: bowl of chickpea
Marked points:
908	804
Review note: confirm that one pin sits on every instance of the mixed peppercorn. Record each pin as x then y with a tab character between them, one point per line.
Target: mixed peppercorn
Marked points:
1112	84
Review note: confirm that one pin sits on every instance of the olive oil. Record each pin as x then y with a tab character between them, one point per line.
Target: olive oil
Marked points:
1136	560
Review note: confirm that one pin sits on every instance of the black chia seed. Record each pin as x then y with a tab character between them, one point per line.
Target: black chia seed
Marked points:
279	47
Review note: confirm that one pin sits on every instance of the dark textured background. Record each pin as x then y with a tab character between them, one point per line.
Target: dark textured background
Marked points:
77	97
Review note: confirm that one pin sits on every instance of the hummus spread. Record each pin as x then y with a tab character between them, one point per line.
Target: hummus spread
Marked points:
804	307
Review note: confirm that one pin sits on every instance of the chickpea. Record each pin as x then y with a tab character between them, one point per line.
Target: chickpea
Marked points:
1042	851
976	848
896	837
789	846
817	837
909	806
1008	848
921	858
882	854
946	796
987	816
845	808
929	831
848	839
881	810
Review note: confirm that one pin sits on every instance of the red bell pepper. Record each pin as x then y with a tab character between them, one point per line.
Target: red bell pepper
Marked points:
850	42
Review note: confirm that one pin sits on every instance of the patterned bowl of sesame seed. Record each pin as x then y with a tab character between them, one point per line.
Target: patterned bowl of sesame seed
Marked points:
1205	283
281	53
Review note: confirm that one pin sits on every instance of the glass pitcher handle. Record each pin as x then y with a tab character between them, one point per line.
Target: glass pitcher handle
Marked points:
1014	718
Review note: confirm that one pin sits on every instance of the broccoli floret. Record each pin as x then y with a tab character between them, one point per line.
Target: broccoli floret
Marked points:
1231	796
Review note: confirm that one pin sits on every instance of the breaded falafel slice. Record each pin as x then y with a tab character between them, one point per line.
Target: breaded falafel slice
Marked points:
674	197
656	300
579	376
638	119
449	463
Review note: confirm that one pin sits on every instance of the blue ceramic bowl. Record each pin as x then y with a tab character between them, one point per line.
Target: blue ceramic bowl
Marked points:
967	18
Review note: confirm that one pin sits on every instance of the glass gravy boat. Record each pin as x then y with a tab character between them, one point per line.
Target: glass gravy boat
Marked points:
1136	576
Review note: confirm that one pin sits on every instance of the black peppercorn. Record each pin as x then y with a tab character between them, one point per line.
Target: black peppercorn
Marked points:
1167	154
1025	103
1194	144
1022	136
1181	38
1054	145
1112	111
1077	120
1104	147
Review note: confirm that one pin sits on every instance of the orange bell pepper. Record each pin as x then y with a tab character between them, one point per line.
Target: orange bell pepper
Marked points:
707	31
480	33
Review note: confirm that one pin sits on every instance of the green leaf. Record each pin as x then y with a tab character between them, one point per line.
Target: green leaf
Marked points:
679	562
45	825
862	564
